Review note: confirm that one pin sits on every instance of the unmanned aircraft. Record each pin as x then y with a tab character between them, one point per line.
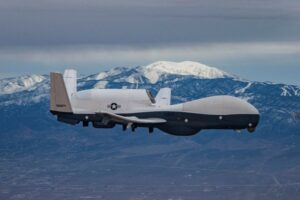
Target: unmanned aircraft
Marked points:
132	108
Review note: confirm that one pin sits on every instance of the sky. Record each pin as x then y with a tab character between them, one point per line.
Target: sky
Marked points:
257	39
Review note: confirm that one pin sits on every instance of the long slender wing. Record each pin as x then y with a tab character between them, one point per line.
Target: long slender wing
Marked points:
131	119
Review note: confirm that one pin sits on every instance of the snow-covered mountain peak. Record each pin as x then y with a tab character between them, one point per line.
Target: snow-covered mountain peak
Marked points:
105	74
154	70
12	85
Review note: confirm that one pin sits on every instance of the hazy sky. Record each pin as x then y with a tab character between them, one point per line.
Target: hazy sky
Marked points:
257	39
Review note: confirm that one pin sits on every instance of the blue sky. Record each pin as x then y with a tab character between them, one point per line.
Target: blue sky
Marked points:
257	40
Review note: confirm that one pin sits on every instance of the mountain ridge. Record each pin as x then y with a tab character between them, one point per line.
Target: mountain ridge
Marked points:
151	73
43	158
278	100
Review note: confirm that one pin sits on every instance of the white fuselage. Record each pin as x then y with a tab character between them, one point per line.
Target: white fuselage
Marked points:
137	100
127	100
105	108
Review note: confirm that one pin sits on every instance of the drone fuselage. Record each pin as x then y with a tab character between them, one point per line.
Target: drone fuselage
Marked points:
104	108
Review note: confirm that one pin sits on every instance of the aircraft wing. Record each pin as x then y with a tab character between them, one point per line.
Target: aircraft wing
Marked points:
107	117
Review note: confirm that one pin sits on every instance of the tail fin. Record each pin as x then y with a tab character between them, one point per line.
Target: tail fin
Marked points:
163	97
59	100
70	79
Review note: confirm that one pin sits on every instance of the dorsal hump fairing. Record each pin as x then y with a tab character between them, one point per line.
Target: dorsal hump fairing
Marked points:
70	79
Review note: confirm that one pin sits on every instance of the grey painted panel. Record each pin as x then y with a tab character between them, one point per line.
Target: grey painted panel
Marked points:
59	100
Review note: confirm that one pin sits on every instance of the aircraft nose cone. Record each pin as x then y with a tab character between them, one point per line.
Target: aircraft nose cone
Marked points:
234	105
251	109
252	115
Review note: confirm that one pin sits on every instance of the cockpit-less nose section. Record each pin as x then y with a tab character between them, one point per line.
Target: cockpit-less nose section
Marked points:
132	108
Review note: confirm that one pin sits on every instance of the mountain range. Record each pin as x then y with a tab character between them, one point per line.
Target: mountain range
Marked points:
41	157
